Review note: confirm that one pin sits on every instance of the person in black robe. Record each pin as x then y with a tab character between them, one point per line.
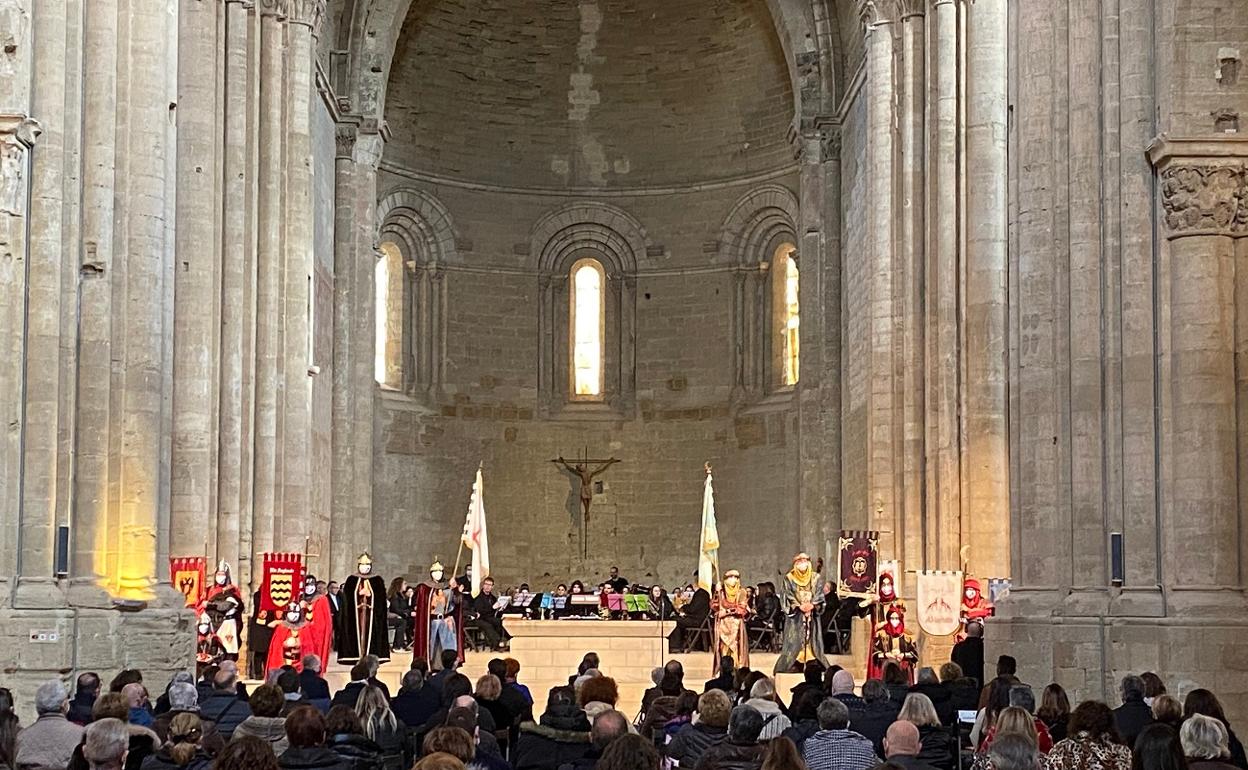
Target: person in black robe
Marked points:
364	615
259	636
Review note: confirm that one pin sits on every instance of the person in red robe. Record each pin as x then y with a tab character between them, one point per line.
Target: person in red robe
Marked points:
975	608
439	618
892	642
318	620
731	606
291	641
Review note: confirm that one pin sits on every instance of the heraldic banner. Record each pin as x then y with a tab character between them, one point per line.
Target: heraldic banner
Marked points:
281	580
939	601
858	564
187	574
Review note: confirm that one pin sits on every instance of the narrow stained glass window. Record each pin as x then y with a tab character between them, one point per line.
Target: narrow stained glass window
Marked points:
790	318
587	328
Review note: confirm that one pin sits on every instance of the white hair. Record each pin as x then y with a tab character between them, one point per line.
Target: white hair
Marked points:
763	688
1204	738
51	696
312	663
105	744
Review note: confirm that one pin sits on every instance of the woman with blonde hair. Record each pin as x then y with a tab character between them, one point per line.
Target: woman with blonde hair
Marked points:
1012	720
489	690
184	749
380	726
1205	744
939	745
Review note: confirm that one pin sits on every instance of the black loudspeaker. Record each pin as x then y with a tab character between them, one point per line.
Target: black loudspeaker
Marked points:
1117	569
62	552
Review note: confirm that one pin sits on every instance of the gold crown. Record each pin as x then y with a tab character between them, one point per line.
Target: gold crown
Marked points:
364	559
732	573
436	566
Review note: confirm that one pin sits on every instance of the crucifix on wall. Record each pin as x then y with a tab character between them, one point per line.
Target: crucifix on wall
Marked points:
581	469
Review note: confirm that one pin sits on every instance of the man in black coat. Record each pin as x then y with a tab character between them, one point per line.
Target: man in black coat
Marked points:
969	653
313	686
348	695
416	702
510	698
876	715
691	617
224	705
727	673
1134	714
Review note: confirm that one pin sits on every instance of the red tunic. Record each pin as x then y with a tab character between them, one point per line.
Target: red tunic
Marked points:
289	645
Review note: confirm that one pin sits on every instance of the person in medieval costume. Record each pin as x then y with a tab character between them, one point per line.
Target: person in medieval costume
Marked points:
893	642
208	650
292	639
803	596
732	609
318	617
224	607
439	618
363	615
975	606
259	635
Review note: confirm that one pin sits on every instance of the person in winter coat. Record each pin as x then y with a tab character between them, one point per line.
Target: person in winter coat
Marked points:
741	749
266	721
224	705
709	727
184	750
804	714
939	746
876	714
344	735
835	746
1134	714
49	743
560	736
305	732
382	727
763	700
246	754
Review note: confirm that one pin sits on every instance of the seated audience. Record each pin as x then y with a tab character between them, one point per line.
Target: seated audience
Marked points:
598	695
381	727
1168	711
1153	687
561	735
629	752
439	760
902	745
488	750
708	728
305	734
812	679
835	746
740	750
344	736
184	749
224	705
350	694
1014	752
940	746
136	700
1158	748
416	702
1094	742
105	744
608	727
671	685
1201	701
1014	720
937	692
963	690
843	690
727	666
512	681
489	688
86	690
804	715
1205	744
876	714
1054	711
266	721
313	686
246	754
1134	714
10	725
510	696
763	700
49	742
782	754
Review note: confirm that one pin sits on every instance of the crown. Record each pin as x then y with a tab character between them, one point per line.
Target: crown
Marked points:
364	559
223	566
436	566
801	556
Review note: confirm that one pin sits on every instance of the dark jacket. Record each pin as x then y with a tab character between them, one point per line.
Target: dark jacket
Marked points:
798	732
1131	718
969	655
941	698
872	721
721	682
514	701
1237	749
562	737
162	761
727	755
227	709
391	744
80	708
851	701
315	689
587	762
415	707
940	748
348	695
358	752
314	758
910	763
963	695
212	741
692	741
1057	729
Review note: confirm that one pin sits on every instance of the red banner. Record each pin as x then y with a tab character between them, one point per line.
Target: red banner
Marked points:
281	582
187	574
858	564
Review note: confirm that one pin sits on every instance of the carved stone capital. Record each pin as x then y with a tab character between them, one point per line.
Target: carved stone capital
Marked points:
873	13
1203	184
309	13
344	141
273	8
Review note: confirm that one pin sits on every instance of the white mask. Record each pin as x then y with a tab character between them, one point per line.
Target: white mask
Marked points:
970	593
309	589
292	617
436	575
220	578
894	622
204	628
732	582
365	569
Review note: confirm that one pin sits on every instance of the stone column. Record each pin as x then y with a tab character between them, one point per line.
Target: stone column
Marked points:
40	262
345	293
944	476
269	258
141	318
296	509
192	520
1204	199
986	443
880	18
236	248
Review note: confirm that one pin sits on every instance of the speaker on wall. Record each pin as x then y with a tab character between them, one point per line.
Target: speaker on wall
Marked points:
1117	569
62	552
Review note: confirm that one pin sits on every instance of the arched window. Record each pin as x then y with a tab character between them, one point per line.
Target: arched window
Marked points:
388	285
588	322
787	314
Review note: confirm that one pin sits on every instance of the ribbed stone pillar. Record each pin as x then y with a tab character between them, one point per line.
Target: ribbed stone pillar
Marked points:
1203	185
985	392
41	301
296	509
269	257
192	520
343	446
942	536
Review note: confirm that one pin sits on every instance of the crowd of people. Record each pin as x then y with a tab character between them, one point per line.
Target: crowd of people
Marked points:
441	720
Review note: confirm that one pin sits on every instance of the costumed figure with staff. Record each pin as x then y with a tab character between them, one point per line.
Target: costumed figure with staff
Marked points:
892	642
439	618
223	605
803	595
364	615
732	609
